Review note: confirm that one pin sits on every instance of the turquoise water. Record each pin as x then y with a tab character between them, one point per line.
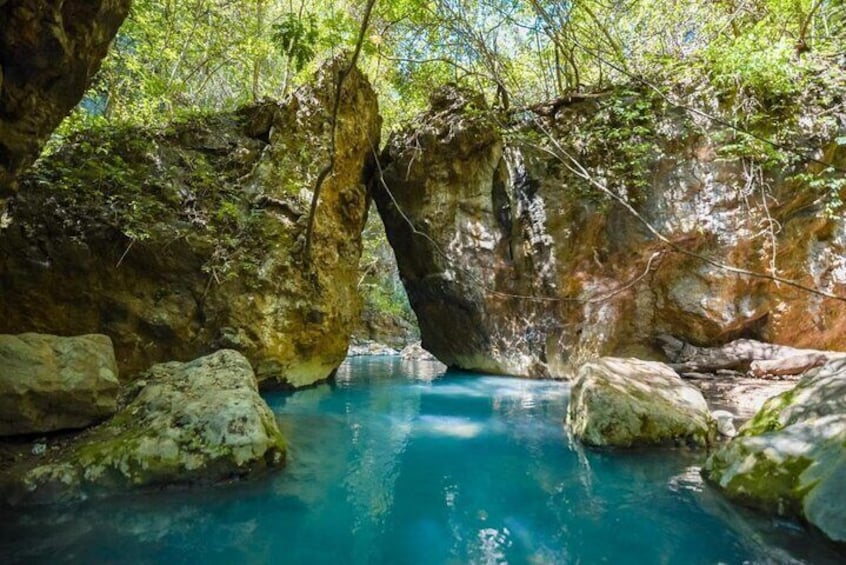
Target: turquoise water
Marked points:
397	463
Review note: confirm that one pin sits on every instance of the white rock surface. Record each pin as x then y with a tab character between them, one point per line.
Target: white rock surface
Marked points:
725	422
629	402
201	421
791	457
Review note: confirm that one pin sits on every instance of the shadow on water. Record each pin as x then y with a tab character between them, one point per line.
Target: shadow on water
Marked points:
398	462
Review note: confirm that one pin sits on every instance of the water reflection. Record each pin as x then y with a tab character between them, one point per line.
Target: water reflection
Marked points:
375	464
448	426
373	369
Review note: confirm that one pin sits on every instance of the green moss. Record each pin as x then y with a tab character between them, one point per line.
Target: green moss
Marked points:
183	182
769	485
767	419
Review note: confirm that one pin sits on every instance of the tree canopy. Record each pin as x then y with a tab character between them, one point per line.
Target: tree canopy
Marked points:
173	57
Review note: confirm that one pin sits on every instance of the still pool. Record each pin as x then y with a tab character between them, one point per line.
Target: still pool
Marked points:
396	462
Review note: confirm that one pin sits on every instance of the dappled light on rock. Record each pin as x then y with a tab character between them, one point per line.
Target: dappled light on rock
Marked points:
791	457
189	423
627	402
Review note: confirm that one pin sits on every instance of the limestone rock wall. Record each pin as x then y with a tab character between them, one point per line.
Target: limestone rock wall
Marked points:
515	262
180	241
49	50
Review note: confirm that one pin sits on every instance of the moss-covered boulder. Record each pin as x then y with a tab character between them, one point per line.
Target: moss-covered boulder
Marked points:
195	422
629	402
790	458
179	241
50	383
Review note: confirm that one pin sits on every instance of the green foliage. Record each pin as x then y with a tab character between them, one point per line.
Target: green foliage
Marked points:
389	299
296	38
380	284
754	62
625	126
91	174
613	138
829	183
171	57
150	185
764	62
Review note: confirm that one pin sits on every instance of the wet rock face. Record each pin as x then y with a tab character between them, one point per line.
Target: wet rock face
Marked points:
50	383
195	422
515	263
180	241
790	458
628	402
49	50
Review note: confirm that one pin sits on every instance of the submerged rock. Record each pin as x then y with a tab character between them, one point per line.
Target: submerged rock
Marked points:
48	53
790	458
180	241
195	422
50	383
725	422
629	402
516	262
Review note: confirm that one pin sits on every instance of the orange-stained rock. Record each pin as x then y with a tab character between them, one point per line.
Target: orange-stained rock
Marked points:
515	262
181	241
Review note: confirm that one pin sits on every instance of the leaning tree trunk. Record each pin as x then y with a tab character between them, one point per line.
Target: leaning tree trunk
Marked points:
757	357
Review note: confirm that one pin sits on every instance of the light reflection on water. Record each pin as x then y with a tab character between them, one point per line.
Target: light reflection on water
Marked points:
399	462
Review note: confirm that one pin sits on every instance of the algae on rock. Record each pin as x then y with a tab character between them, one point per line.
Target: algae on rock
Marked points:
180	241
196	422
790	458
629	402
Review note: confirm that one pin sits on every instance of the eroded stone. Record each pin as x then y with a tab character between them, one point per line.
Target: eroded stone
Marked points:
50	383
516	262
196	422
790	458
179	241
629	402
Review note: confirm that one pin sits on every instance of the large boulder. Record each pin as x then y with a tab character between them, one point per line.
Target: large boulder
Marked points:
50	383
49	50
628	402
516	261
182	240
790	458
195	422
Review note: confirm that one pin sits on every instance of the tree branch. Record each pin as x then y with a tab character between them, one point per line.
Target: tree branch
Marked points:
330	166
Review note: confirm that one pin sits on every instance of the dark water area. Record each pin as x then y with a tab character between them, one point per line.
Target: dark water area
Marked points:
396	462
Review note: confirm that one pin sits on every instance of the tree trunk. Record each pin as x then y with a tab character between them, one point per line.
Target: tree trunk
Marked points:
744	355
